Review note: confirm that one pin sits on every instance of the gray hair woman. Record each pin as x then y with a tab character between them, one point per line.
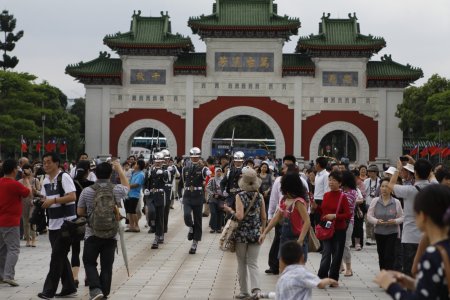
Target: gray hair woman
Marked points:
248	232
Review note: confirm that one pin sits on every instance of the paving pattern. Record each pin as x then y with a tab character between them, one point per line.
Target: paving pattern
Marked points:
171	273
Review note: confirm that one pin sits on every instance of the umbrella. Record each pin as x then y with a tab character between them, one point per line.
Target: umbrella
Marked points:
123	248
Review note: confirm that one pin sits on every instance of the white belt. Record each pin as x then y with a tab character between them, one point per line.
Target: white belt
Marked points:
193	188
156	190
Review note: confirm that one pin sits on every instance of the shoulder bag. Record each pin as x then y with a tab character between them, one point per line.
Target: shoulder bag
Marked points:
227	238
324	232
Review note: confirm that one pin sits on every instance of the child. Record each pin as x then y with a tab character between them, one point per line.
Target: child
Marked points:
296	282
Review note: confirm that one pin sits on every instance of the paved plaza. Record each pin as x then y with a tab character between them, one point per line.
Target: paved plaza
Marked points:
171	273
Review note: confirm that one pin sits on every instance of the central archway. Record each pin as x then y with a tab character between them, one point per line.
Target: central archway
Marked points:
237	111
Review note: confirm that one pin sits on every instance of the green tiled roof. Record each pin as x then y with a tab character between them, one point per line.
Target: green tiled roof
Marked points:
149	32
189	60
342	34
387	69
242	14
101	66
298	61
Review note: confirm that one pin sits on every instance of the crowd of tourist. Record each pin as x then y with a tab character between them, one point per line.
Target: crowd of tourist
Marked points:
403	210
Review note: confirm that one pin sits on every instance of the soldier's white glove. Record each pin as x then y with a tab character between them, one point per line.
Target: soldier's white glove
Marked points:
208	172
146	192
181	200
159	172
169	168
225	194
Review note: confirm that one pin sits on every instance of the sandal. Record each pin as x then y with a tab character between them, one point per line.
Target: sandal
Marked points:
348	274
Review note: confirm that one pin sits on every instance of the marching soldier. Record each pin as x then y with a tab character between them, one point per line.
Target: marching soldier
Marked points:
172	173
193	176
229	183
155	198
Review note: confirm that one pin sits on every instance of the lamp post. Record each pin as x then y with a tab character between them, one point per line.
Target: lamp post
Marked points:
440	126
43	133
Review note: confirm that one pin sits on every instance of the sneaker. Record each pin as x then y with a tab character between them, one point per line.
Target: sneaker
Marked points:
152	229
95	294
161	240
190	235
242	296
66	294
44	296
193	247
11	282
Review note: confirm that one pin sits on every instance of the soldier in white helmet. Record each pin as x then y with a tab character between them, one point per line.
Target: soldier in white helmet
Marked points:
229	184
155	198
193	177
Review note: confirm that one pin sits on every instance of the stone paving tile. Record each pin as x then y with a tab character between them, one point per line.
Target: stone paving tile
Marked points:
171	273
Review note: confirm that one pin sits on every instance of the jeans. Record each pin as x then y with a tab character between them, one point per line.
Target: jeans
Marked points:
386	250
9	251
93	247
409	252
333	250
273	261
193	218
247	257
59	265
347	257
216	220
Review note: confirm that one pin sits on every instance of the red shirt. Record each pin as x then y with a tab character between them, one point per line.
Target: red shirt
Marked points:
11	193
329	206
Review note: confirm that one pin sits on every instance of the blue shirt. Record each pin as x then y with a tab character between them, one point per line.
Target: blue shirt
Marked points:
136	178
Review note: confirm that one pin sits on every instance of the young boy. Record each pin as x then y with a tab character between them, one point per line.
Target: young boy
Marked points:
296	282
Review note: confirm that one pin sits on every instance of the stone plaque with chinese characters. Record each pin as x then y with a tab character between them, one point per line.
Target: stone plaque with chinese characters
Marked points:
340	78
148	76
243	62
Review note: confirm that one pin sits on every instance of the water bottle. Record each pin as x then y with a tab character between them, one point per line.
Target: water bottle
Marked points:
269	295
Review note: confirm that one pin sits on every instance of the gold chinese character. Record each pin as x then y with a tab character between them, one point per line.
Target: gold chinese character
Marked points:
140	76
332	79
223	61
156	76
251	63
237	62
347	79
264	62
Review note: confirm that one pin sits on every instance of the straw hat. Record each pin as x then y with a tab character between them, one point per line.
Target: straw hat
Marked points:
390	170
409	167
373	168
249	180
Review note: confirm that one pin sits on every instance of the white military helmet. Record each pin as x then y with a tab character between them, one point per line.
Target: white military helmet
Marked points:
239	156
195	152
166	153
159	156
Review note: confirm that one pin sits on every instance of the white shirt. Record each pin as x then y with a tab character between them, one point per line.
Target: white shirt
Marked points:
50	190
321	184
372	187
276	195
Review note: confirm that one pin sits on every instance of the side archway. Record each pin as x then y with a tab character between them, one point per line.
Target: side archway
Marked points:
124	144
362	144
248	111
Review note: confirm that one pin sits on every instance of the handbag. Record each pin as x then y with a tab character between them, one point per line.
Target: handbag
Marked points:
227	241
446	262
323	232
313	241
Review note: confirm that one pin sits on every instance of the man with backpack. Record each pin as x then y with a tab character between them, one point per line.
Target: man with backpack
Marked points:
99	203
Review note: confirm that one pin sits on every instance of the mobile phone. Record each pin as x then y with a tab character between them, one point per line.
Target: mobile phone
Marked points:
404	158
328	224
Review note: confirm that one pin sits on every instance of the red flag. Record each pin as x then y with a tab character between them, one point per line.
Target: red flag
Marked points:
38	147
445	152
48	146
424	152
414	151
62	147
24	146
435	150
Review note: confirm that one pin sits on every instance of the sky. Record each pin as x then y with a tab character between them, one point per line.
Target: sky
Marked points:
63	32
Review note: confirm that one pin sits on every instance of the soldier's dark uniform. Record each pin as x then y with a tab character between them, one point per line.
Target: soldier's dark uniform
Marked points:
229	184
171	171
193	177
155	201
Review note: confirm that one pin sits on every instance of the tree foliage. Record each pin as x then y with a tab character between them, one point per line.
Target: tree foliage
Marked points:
78	109
7	26
424	106
22	105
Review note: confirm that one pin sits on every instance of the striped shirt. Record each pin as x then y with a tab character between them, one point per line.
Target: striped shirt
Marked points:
57	213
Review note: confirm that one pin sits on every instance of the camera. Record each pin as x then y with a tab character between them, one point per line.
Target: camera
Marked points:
37	202
404	159
328	224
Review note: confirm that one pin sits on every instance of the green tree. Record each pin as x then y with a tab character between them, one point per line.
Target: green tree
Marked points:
416	113
23	103
78	109
438	108
7	25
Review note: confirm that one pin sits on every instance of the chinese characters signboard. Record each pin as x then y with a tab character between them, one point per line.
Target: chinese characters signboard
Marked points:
340	78
148	76
243	62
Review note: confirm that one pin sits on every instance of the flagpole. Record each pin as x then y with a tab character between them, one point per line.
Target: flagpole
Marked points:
21	145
